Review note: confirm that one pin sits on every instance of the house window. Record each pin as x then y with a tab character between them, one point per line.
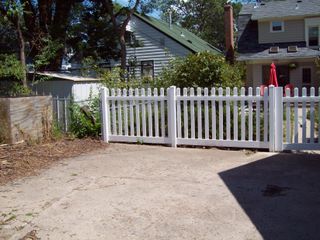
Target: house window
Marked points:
277	26
147	69
313	38
129	38
306	75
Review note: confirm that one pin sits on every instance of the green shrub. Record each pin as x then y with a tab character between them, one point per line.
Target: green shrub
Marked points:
10	67
85	119
115	79
202	70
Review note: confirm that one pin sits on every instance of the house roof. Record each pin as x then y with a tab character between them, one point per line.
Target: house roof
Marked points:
179	34
68	77
281	9
303	52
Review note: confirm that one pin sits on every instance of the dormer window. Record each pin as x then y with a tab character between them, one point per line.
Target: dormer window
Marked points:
276	26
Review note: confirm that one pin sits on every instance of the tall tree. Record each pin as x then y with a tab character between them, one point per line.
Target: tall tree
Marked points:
12	12
91	33
40	20
205	18
120	19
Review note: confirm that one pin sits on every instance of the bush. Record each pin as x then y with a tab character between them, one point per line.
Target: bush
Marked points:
115	79
202	70
85	119
12	71
10	67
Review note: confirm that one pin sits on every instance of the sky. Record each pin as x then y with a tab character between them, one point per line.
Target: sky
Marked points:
155	14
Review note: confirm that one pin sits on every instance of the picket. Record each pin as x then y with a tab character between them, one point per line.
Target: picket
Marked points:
228	114
235	114
119	106
312	125
214	121
185	113
180	117
288	117
220	92
243	115
138	131
125	112
163	130
250	115
156	114
131	113
258	114
304	117
199	110
178	114
206	115
193	133
296	123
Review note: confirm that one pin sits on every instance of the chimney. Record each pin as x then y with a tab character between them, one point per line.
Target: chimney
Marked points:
228	26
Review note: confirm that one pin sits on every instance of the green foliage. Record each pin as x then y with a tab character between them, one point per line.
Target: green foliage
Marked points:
202	70
205	18
88	65
56	132
48	53
10	67
18	90
12	70
115	79
85	120
87	35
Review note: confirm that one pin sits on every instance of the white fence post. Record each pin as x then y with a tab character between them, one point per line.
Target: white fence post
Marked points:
105	114
172	116
271	118
276	119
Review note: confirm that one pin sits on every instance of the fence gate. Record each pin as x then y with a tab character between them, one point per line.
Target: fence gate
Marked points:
300	120
217	118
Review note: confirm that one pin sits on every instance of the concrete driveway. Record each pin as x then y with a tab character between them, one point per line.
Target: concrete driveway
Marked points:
147	192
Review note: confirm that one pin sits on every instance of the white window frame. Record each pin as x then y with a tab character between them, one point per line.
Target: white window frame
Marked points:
142	69
282	27
311	22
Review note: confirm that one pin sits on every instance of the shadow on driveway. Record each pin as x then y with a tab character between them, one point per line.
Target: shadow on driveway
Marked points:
280	194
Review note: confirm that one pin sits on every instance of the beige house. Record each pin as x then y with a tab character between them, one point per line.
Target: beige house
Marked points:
284	32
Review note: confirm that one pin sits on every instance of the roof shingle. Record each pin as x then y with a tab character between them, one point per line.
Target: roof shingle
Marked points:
281	9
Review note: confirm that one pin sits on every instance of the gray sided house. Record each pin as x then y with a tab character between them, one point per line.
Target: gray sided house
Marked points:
284	32
152	43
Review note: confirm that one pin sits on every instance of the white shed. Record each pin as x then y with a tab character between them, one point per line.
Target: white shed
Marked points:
64	85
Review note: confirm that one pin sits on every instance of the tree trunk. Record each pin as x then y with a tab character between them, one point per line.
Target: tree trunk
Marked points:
22	52
58	30
123	52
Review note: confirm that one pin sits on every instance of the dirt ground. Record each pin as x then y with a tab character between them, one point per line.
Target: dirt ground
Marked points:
21	160
139	192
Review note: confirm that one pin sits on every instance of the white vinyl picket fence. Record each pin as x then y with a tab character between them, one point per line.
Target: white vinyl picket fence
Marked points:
217	118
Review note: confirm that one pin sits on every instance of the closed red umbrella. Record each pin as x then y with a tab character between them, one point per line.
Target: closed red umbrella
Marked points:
273	75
